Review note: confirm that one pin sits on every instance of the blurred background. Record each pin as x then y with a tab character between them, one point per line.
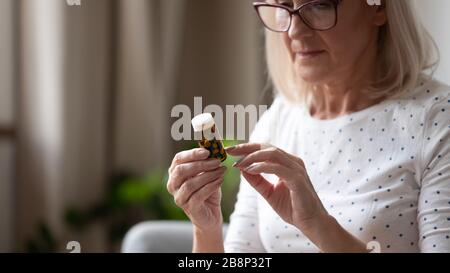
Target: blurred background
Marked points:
85	99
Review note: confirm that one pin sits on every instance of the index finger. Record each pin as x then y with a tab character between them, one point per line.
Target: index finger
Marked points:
196	154
245	149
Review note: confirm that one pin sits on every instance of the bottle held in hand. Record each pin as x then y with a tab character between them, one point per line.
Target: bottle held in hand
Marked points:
210	138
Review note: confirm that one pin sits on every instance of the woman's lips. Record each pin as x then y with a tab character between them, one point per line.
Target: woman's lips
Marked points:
309	54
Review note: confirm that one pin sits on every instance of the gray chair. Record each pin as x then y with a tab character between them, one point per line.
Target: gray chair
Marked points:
160	237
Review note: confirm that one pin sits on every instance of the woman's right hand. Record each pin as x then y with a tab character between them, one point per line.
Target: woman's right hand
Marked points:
194	182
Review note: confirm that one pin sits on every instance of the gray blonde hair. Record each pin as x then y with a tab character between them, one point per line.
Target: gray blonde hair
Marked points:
406	50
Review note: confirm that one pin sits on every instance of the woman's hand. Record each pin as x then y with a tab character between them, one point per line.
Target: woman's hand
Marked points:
195	181
293	197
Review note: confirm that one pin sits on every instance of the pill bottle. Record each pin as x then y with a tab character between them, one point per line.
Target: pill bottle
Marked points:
208	136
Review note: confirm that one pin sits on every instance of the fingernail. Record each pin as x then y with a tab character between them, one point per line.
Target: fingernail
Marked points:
213	161
238	163
204	152
229	149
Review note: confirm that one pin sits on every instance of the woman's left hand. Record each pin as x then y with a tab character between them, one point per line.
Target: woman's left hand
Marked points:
293	197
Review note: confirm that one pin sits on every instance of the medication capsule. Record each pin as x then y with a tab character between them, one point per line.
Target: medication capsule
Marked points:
210	138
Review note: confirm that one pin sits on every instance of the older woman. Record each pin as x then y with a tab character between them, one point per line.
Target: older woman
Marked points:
354	150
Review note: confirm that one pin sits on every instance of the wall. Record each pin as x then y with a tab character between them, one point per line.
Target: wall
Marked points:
435	16
6	119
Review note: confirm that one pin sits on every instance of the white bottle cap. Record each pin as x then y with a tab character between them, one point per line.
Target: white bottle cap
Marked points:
202	122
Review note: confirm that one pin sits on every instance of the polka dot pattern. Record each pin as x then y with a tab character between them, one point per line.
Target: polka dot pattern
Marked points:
382	172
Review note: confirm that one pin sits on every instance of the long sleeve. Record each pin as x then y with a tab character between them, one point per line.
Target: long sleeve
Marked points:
434	199
243	232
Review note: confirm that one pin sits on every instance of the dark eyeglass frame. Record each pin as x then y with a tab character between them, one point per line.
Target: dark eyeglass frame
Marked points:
297	11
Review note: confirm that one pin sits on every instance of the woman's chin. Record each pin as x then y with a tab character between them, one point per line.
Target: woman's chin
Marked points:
311	73
311	77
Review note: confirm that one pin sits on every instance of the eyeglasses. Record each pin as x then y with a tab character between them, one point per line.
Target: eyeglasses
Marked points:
318	15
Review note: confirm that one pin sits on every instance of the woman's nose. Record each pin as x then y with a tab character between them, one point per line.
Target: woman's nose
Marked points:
299	29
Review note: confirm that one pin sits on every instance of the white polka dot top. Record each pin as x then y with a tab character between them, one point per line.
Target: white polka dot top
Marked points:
383	173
